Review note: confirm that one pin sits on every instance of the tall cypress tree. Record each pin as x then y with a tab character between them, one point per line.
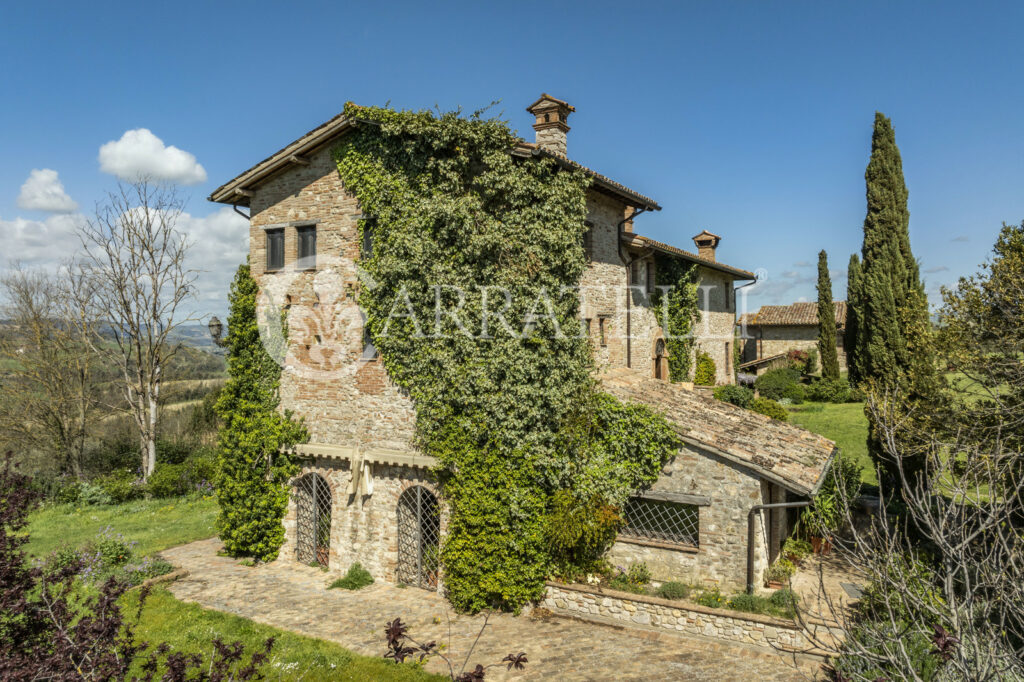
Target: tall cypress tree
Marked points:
826	321
853	317
892	348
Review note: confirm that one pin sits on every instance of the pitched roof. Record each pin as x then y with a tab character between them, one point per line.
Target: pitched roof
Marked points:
640	241
238	190
777	451
793	315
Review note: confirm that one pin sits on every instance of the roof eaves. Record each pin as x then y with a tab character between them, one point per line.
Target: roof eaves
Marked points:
602	182
676	251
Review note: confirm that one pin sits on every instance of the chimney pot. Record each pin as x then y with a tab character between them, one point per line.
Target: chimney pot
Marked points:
551	116
706	244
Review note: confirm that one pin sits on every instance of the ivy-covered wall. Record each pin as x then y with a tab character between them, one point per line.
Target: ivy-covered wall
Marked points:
456	218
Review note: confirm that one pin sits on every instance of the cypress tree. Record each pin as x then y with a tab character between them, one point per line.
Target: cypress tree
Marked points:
253	470
853	317
892	347
826	321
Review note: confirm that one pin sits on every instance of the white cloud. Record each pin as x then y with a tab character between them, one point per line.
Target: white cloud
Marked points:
220	243
940	268
140	153
43	191
41	242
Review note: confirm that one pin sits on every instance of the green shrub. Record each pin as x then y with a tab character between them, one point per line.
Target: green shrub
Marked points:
110	549
799	549
170	480
121	486
67	492
811	365
704	373
712	598
829	391
751	603
780	571
736	395
578	532
356	578
93	495
777	384
785	599
634	579
770	408
674	590
202	467
172	451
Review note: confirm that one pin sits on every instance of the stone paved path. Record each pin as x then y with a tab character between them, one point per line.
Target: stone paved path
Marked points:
293	597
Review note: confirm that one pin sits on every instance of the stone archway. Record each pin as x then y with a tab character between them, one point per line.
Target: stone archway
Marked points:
313	520
660	360
419	538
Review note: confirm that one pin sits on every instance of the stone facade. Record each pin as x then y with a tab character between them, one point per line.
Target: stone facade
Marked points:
721	555
764	342
678	616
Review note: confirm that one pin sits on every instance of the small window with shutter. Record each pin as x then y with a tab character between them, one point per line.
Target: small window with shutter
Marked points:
275	249
307	247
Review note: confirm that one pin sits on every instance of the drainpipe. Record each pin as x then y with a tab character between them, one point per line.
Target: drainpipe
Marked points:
750	534
629	292
235	206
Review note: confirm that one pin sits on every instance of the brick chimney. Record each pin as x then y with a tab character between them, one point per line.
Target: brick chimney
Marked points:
706	245
551	124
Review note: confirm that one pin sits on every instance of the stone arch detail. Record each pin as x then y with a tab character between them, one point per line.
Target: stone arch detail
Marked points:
659	359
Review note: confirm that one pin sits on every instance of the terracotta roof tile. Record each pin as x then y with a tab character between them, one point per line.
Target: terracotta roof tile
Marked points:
780	452
676	251
795	314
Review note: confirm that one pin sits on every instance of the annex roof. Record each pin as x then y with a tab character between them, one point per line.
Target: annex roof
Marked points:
782	453
640	241
793	315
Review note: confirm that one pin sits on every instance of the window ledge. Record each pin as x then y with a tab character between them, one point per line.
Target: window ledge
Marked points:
678	547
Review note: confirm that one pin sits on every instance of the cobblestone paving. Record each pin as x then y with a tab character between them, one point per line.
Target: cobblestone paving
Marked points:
293	597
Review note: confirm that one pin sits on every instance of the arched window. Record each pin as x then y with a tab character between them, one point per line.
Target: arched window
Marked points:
660	360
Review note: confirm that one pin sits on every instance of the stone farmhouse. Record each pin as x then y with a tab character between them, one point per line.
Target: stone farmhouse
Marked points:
366	493
774	330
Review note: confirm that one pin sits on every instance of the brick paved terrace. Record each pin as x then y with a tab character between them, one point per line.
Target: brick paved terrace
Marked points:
293	597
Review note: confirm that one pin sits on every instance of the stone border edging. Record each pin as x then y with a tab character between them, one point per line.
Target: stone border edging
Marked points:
170	577
676	616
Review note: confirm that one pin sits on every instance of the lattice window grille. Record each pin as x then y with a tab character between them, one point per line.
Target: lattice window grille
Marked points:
419	538
313	520
660	521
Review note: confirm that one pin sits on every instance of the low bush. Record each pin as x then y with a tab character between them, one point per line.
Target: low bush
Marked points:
172	451
712	598
170	480
784	599
777	384
109	555
780	571
67	491
811	364
705	372
829	391
796	550
736	395
356	578
121	486
673	590
93	495
751	603
770	408
635	579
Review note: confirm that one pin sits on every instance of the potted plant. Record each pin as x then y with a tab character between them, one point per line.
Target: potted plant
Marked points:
821	520
778	573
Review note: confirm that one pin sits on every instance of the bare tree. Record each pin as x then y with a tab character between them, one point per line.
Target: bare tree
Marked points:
133	270
51	389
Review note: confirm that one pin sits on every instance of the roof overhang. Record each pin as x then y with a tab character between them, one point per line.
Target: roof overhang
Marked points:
638	241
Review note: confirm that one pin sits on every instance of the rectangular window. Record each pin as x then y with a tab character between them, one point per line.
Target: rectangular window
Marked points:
275	249
588	240
367	248
589	322
307	247
602	322
660	521
636	273
649	268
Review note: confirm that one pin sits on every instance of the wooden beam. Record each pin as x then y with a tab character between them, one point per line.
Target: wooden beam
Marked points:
302	161
682	498
245	192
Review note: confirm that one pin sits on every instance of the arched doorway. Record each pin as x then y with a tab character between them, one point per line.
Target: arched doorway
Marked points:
419	538
660	360
313	515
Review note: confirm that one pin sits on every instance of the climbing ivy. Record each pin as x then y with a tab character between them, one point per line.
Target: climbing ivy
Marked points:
469	294
253	468
677	308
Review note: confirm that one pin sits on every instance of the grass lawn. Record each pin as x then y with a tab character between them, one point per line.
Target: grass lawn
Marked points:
189	628
153	524
844	423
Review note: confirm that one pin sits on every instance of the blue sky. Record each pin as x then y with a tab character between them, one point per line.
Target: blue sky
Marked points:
750	119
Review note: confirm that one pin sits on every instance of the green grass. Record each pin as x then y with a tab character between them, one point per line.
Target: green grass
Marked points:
843	423
153	524
189	628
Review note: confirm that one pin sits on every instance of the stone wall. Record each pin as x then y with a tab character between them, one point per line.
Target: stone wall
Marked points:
764	342
677	616
715	332
364	528
721	556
